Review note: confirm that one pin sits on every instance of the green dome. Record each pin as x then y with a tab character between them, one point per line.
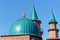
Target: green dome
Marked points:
24	26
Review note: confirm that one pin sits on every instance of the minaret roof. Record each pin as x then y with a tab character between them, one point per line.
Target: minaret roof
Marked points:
33	14
52	20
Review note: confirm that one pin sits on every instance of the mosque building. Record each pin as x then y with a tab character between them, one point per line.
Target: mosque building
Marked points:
30	29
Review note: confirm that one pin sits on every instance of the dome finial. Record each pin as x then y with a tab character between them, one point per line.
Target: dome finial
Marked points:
24	14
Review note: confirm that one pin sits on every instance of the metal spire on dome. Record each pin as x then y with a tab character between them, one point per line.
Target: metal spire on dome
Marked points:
24	14
34	14
52	20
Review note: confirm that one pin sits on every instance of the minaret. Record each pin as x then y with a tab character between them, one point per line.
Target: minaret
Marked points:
35	19
53	31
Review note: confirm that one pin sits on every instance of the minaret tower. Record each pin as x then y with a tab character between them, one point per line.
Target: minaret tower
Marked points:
53	31
35	19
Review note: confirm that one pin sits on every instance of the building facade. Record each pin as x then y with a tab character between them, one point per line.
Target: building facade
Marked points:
30	29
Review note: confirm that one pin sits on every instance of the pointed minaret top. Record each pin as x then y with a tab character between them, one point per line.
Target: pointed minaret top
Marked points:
33	14
52	20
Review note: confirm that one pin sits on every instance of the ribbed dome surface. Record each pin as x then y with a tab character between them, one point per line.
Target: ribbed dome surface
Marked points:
24	26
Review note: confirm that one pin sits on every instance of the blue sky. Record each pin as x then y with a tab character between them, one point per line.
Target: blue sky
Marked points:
12	10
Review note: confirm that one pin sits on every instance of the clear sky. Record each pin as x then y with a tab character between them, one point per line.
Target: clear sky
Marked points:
12	10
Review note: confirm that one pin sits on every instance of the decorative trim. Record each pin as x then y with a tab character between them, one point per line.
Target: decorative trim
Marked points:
53	30
52	22
37	20
17	35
